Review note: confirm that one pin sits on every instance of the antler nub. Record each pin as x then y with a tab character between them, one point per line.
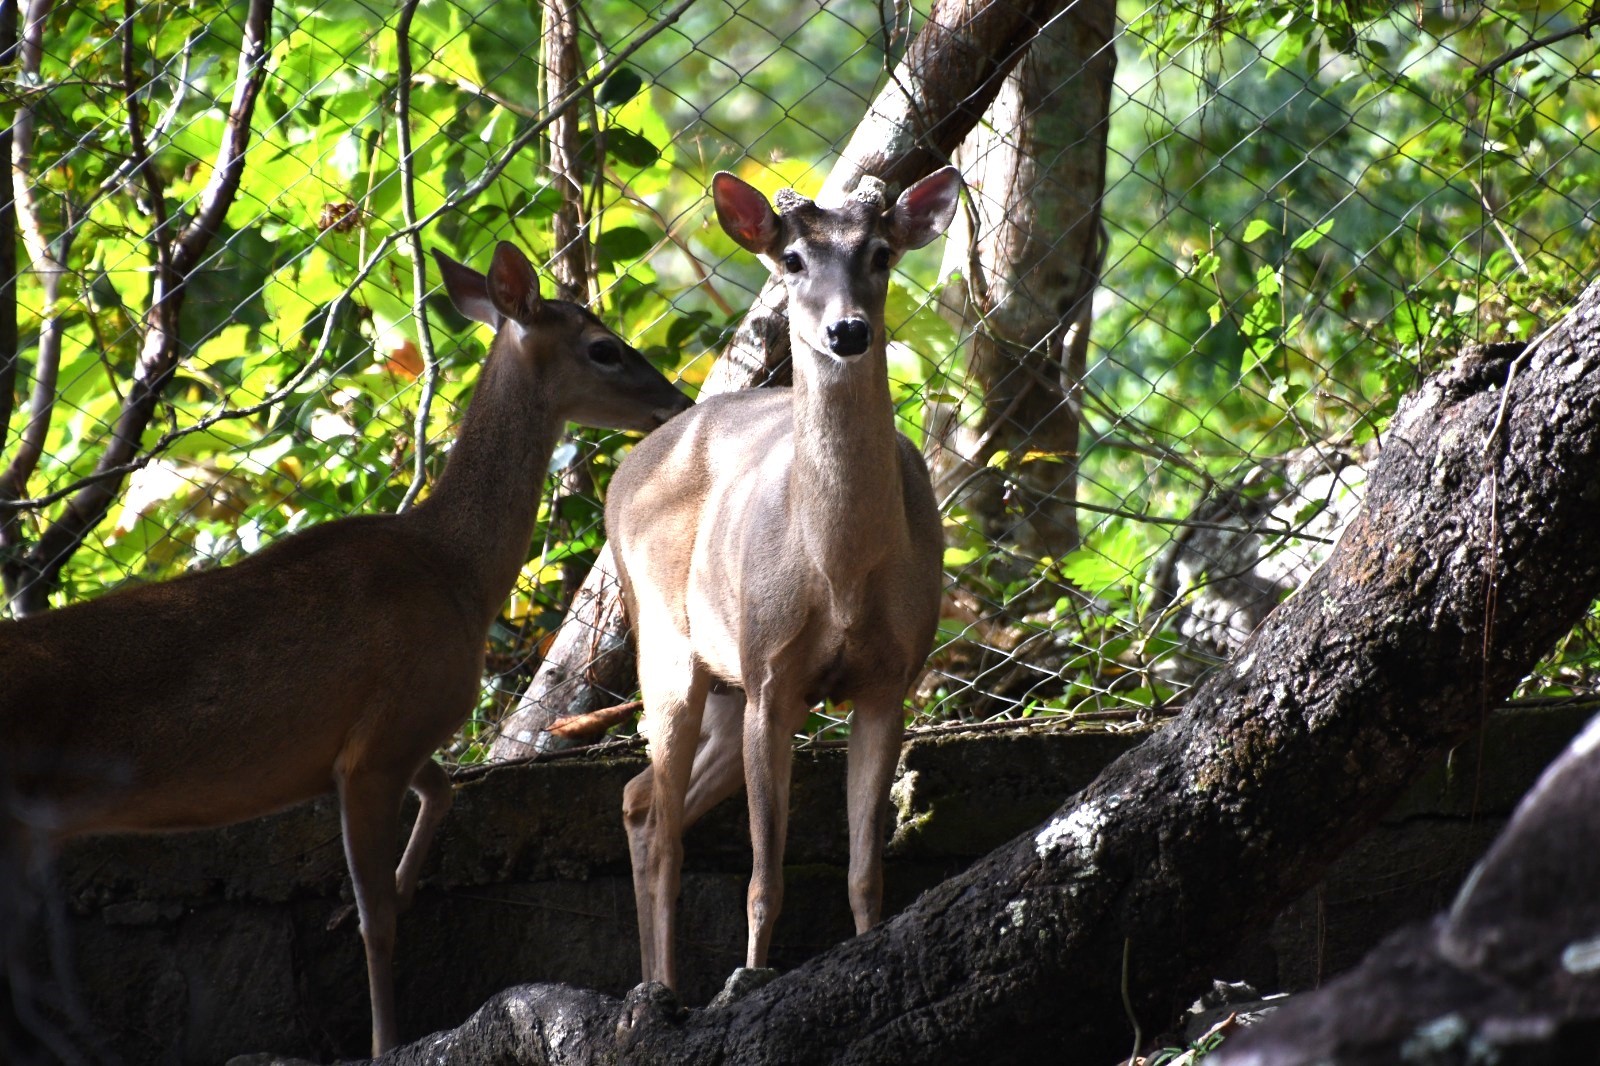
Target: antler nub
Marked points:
787	200
871	191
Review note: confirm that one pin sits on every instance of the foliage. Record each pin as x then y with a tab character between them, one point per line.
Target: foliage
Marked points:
304	306
1340	204
1308	208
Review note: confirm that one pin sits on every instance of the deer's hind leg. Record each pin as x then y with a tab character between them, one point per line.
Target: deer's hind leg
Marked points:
674	691
434	795
718	772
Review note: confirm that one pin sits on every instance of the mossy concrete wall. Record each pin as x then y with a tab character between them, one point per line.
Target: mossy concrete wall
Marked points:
195	947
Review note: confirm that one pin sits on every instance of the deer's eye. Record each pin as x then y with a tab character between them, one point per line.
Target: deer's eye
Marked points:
880	259
605	353
793	263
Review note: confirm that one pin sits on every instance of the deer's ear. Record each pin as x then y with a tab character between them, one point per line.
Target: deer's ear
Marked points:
744	213
468	290
513	283
924	210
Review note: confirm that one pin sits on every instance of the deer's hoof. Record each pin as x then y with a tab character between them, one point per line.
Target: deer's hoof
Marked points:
651	1003
741	983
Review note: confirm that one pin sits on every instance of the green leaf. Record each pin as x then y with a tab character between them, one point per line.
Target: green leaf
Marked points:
623	85
956	558
1092	572
1313	62
1256	229
685	326
916	323
1313	235
624	242
1527	130
1309	510
623	145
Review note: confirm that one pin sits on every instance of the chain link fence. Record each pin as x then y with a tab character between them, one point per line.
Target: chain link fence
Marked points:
1206	249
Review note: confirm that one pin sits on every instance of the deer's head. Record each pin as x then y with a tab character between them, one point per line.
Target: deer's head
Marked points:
835	261
589	374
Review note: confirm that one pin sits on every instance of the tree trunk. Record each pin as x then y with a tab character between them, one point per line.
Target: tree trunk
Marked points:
569	262
1477	548
562	65
952	69
1029	249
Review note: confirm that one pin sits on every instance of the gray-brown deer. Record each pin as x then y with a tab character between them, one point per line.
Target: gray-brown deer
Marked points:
778	547
336	660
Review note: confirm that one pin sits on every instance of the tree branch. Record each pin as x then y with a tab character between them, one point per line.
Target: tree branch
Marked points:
139	158
1033	243
10	343
228	167
160	350
1582	29
1509	963
419	271
570	226
162	443
16	573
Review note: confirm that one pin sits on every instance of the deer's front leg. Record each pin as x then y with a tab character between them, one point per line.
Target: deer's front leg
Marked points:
772	715
876	729
369	807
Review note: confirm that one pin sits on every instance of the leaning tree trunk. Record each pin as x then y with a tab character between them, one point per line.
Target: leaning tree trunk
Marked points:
952	69
1029	248
1477	548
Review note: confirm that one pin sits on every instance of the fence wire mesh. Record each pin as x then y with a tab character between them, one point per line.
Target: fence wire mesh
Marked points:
1206	249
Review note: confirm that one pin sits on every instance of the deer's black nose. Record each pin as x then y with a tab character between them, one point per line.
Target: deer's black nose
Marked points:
849	336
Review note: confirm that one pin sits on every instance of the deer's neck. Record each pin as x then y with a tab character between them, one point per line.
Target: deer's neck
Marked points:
845	482
483	508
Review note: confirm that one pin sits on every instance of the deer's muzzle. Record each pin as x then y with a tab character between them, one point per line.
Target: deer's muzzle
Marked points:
849	337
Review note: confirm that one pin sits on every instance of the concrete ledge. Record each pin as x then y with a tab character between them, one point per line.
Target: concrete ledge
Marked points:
194	947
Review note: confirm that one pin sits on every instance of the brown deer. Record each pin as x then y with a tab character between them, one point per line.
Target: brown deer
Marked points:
777	547
339	658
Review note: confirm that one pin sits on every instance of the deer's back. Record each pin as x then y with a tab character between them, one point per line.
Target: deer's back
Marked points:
229	693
